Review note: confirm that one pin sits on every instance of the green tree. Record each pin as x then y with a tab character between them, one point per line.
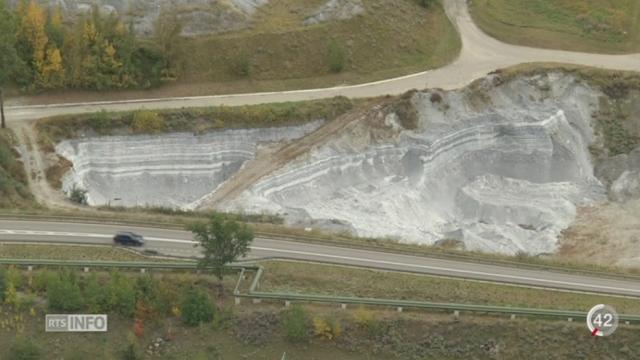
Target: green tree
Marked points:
95	294
121	295
223	241
196	308
336	56
167	37
9	60
295	322
64	293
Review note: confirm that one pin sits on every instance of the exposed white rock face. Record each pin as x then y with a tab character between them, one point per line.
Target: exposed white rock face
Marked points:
198	16
336	10
167	170
500	169
626	187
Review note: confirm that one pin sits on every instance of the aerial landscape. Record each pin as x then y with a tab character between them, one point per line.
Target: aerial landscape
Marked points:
319	179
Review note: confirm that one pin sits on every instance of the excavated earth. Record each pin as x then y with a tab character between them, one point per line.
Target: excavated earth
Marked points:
500	166
169	170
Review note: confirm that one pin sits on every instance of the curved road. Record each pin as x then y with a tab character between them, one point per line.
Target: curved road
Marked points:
480	54
175	242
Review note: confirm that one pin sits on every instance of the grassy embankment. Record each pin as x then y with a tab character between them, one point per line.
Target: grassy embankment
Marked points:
195	120
602	26
14	189
257	331
278	52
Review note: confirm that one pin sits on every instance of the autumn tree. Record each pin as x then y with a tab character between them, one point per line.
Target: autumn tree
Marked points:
33	39
167	37
9	60
223	241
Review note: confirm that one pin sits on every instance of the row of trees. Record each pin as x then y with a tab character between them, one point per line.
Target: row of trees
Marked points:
38	50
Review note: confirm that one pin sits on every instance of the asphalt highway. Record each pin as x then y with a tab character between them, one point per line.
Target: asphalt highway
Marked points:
180	243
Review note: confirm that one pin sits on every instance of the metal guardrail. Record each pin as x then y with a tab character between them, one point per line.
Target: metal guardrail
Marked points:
252	293
324	241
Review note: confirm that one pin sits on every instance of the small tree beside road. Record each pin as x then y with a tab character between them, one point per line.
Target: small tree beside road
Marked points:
223	241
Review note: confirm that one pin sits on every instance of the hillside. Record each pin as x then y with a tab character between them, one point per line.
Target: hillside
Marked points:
284	44
14	191
602	26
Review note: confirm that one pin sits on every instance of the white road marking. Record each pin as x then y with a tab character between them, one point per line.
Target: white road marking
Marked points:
329	256
513	277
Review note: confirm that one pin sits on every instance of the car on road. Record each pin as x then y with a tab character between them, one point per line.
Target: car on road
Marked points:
128	238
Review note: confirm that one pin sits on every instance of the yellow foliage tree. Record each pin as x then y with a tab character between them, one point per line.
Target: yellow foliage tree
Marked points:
52	73
32	29
326	328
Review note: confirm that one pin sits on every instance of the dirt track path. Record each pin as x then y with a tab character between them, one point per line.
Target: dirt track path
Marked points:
480	54
35	167
271	159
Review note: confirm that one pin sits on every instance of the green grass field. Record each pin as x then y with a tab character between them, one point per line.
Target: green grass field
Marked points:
603	26
390	37
346	281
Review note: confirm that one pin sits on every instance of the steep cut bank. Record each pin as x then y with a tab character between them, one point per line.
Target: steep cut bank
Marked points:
499	166
170	170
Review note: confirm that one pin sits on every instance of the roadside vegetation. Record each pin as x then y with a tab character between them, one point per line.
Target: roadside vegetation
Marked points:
278	51
98	52
603	26
195	120
14	188
319	279
175	315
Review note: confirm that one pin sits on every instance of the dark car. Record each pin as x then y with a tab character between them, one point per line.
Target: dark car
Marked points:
128	238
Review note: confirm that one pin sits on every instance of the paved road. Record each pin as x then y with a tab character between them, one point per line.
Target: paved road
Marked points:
480	54
174	242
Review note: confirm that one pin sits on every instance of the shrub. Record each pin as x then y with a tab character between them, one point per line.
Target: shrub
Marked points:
78	195
121	295
145	121
131	352
336	57
3	282
363	317
295	322
328	328
196	308
426	3
24	349
42	279
95	295
64	293
100	122
243	65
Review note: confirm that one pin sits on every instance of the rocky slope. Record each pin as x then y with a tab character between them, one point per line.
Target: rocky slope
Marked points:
197	16
498	167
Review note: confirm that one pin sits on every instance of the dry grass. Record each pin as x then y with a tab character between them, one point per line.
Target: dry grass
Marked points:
604	26
345	281
69	252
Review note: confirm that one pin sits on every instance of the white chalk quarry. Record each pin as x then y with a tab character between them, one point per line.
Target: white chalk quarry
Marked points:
168	170
503	176
498	168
